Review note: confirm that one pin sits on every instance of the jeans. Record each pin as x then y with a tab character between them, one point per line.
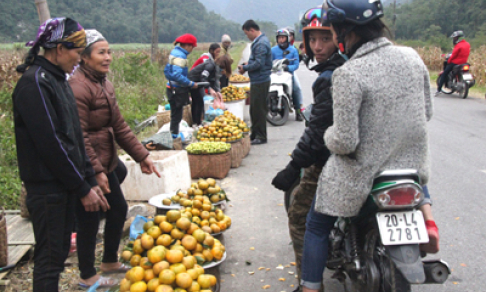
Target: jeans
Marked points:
297	97
427	199
316	242
53	220
259	110
444	75
197	107
88	224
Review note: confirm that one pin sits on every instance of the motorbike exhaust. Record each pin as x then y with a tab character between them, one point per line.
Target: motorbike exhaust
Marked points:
436	271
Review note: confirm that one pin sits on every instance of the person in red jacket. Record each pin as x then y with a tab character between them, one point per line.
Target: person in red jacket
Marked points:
214	50
459	56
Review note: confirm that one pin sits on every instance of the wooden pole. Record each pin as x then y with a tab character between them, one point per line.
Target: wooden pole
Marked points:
394	18
155	32
42	10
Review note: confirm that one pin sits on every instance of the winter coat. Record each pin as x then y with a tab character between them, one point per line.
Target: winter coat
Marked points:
311	148
259	65
382	102
460	53
176	69
207	71
102	122
290	53
50	147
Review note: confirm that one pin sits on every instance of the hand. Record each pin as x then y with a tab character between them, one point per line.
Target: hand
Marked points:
147	166
285	68
103	182
94	200
195	85
286	178
240	69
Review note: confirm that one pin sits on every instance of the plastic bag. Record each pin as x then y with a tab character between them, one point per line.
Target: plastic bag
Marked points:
136	228
212	113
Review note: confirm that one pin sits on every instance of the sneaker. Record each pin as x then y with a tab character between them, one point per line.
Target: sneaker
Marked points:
437	92
298	117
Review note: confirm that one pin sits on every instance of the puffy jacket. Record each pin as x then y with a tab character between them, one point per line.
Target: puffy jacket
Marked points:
290	53
259	65
50	147
460	54
207	71
176	69
102	122
311	148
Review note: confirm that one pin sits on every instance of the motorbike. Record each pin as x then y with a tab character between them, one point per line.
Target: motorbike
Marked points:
279	99
459	80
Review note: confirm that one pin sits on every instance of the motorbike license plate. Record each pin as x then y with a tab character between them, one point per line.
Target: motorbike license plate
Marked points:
467	77
402	227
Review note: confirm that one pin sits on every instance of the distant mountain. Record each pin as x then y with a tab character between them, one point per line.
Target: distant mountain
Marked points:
281	12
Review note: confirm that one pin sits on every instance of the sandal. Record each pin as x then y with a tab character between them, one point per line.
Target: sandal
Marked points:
121	269
102	282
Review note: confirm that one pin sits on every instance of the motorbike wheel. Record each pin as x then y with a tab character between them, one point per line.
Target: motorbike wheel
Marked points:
277	118
465	91
391	279
289	195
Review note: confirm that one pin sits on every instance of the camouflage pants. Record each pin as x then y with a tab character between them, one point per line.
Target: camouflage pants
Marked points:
303	196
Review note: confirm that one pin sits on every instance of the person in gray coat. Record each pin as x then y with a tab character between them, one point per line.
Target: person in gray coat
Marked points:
381	103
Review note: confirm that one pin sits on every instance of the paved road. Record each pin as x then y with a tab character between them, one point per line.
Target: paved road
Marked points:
259	235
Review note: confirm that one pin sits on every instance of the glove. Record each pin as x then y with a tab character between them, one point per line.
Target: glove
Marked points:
286	177
285	68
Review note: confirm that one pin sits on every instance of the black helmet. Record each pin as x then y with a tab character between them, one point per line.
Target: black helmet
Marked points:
458	34
313	19
283	32
358	12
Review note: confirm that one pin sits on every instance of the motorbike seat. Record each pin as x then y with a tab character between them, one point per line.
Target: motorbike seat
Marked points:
393	175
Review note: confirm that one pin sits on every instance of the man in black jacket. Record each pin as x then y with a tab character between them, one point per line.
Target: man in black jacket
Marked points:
50	148
311	152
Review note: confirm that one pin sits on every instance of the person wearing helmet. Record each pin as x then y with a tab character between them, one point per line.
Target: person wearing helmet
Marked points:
378	123
291	35
459	56
282	50
311	152
178	84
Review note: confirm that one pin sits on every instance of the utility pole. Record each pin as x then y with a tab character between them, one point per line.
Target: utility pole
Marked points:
155	32
42	10
394	19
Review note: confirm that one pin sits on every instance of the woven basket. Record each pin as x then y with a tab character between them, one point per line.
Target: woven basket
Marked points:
24	212
215	165
163	118
246	144
3	239
237	153
187	115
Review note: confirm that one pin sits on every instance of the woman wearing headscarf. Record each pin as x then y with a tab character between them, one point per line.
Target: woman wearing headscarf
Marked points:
103	126
209	71
50	150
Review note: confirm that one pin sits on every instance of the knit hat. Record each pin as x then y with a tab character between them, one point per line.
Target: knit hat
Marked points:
186	39
225	38
93	36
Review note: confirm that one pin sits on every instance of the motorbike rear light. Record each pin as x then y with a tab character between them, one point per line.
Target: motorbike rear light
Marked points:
465	68
398	197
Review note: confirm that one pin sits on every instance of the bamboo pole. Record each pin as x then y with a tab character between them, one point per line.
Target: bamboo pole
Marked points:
42	10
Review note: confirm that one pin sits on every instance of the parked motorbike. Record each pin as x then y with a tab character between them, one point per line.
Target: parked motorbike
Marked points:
378	250
459	79
279	99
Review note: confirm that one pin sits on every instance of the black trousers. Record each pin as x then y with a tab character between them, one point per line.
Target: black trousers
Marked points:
444	76
88	223
197	106
53	220
259	110
176	110
223	81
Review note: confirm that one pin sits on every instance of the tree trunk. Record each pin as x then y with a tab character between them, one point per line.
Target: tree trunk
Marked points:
155	33
42	10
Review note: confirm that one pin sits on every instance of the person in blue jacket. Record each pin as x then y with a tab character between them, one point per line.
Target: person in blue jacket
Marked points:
178	84
283	49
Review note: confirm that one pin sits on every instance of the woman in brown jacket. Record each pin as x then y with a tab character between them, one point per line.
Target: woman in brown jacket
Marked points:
103	125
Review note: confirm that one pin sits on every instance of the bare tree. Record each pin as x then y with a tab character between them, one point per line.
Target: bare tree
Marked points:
42	10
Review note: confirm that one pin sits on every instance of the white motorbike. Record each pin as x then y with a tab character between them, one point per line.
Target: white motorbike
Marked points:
279	99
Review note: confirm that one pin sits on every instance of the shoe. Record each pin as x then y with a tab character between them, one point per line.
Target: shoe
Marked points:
258	141
121	269
433	245
298	117
102	282
437	92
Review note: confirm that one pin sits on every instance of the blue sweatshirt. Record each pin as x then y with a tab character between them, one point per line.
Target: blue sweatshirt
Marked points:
176	69
278	54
